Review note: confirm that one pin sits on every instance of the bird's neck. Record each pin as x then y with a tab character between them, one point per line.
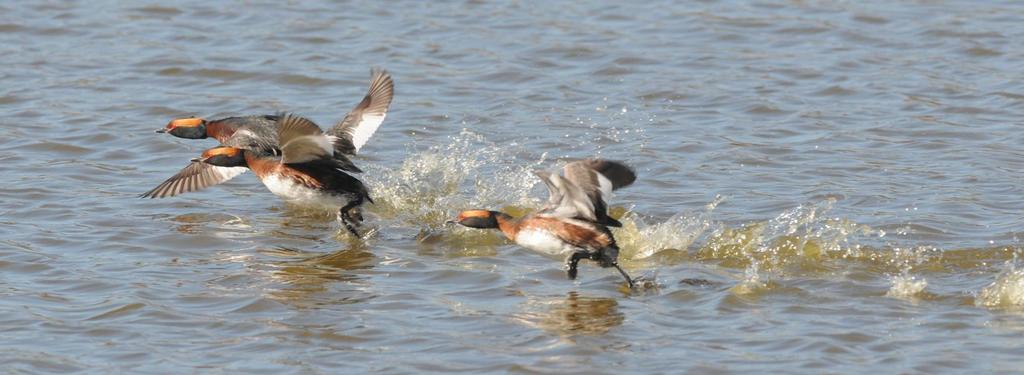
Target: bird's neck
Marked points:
219	131
261	166
507	224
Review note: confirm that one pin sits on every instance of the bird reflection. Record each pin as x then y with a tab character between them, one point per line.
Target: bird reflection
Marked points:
573	315
311	280
193	223
458	243
305	220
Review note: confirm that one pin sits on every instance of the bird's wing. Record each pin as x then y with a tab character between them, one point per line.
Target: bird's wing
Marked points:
565	199
301	140
195	176
597	178
359	124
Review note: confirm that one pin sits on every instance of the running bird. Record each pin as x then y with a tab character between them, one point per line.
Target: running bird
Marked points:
306	172
260	134
575	219
260	131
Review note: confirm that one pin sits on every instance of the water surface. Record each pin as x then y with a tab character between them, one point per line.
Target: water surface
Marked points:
825	186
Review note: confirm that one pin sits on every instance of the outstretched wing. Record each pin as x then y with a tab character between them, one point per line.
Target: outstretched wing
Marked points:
301	140
597	178
359	124
580	194
195	176
565	199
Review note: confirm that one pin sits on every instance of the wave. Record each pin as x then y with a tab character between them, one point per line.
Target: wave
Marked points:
432	185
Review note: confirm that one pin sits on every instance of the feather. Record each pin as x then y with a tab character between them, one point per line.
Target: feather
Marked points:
302	141
195	176
581	192
362	121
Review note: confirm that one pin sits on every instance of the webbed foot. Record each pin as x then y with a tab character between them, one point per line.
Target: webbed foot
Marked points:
346	220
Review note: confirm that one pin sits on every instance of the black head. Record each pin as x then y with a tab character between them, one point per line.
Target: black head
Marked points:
482	219
191	128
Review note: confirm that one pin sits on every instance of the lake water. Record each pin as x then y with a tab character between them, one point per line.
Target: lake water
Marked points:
824	187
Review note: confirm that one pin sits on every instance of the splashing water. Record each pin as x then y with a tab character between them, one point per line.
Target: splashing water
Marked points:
472	172
799	239
752	282
1007	291
906	286
639	240
430	185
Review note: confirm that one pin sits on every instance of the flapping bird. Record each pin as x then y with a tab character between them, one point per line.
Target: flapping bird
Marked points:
575	220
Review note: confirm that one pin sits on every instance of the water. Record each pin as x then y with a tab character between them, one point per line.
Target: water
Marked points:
824	187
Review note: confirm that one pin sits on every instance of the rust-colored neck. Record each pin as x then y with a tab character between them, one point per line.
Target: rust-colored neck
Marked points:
507	224
219	131
261	167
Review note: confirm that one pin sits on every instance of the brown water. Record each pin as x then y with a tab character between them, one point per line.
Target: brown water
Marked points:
825	187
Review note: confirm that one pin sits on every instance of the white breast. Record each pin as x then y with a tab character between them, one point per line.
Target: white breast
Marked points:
300	194
542	241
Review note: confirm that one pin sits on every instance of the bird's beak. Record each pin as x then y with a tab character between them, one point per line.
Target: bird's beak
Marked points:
450	222
161	130
198	160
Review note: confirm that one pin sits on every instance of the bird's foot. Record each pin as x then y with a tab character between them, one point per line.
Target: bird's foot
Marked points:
346	221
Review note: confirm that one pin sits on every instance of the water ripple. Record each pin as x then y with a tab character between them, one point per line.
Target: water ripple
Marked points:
813	176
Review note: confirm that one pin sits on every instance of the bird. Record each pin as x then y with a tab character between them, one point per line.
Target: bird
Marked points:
573	222
304	173
258	131
259	135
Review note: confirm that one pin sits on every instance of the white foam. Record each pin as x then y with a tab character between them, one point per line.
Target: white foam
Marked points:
1006	291
638	240
906	286
469	173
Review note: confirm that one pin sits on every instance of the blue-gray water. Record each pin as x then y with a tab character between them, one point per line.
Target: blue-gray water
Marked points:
825	187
